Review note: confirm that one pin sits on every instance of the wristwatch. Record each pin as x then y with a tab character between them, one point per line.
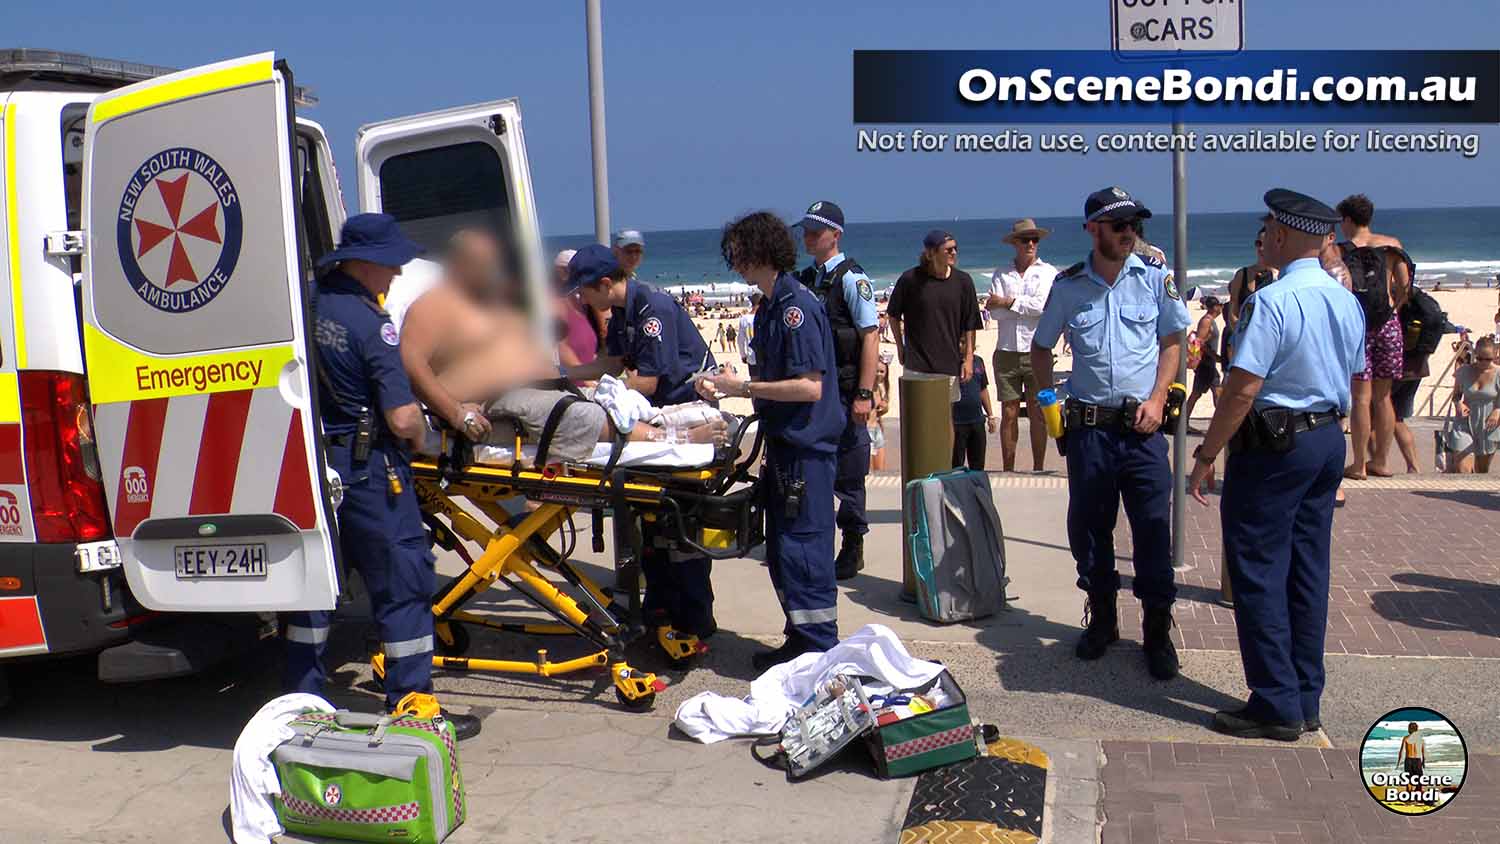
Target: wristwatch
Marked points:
1199	455
862	393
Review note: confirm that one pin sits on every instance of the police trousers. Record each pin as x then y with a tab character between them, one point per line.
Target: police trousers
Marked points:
849	482
799	547
679	591
1277	515
382	536
1106	466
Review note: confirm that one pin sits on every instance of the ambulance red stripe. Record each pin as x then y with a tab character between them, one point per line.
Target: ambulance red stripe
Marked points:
219	452
142	449
294	485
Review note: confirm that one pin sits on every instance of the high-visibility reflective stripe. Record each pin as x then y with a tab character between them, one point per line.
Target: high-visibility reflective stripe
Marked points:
822	616
118	372
410	647
10	398
13	236
180	89
306	635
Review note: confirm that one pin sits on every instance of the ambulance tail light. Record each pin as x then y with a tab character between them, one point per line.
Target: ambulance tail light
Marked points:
62	461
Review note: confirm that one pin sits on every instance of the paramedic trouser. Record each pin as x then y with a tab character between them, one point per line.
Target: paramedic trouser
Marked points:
1105	466
382	536
1277	515
678	591
849	482
799	547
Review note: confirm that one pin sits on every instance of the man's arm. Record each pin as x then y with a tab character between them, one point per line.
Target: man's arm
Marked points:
1031	306
998	297
1232	313
895	323
1235	401
806	387
967	371
597	368
1148	417
1400	279
869	361
643	384
407	423
420	332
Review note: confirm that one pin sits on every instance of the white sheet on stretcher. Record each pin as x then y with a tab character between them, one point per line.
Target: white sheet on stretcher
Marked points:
645	454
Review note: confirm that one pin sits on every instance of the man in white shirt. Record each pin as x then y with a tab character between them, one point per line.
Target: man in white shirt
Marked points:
1017	294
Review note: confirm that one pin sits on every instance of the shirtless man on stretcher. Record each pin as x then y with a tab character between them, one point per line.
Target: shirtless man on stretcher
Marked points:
471	356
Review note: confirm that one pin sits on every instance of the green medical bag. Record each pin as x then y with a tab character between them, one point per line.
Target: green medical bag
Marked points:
360	777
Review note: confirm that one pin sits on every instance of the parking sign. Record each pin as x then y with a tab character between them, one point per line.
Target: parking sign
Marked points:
1177	26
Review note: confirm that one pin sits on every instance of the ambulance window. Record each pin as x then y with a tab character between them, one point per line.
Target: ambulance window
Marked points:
434	192
72	161
317	236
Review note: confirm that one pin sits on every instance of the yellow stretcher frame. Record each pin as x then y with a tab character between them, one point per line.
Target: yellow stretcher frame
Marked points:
697	509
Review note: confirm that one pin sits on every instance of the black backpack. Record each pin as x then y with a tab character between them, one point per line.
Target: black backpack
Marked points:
1421	308
1371	282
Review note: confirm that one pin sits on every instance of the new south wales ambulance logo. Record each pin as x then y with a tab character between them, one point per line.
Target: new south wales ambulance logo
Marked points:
333	795
792	317
179	230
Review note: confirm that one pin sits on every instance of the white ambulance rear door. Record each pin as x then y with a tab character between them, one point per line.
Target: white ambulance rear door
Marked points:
459	168
196	342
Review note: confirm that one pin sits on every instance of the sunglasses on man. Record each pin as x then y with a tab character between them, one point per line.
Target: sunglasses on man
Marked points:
1122	226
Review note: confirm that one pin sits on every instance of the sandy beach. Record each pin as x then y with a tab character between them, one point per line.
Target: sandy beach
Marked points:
1472	308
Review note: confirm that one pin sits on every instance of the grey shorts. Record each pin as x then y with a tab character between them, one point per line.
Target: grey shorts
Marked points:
577	432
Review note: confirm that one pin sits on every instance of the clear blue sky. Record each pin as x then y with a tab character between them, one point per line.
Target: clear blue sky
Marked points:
715	108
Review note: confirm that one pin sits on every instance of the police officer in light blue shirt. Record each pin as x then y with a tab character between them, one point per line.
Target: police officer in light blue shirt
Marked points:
1298	343
841	284
1124	319
795	392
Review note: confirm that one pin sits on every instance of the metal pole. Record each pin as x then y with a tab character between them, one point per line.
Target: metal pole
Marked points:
1179	267
596	120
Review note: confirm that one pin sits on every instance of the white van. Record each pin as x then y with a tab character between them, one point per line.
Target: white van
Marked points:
159	439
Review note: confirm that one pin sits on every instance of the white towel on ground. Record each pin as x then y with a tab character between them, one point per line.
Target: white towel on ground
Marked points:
253	779
873	651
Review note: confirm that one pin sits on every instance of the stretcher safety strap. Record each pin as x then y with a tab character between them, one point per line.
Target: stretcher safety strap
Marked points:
800	617
409	647
544	443
306	635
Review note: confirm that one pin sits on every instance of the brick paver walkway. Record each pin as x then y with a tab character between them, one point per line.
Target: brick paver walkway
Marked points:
1414	573
1178	793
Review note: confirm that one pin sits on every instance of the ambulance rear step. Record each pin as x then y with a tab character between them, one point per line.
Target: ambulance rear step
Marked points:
181	645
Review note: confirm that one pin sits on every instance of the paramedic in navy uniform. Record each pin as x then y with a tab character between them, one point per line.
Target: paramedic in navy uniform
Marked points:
654	340
379	522
797	396
1296	345
1124	319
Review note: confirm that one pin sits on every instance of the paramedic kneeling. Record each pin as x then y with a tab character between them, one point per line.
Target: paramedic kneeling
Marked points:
653	337
796	395
368	413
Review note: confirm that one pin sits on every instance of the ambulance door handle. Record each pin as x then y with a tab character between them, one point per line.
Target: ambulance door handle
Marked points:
64	244
289	384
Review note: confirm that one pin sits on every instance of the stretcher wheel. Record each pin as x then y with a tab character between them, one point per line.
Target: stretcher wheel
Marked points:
640	704
460	635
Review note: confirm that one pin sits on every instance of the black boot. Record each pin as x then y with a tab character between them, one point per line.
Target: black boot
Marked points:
1101	621
792	648
464	726
851	558
1156	640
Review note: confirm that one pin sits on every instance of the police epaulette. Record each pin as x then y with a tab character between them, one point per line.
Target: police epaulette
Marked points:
1152	261
1070	271
375	306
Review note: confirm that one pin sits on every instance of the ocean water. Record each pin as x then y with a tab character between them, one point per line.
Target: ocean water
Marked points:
1451	245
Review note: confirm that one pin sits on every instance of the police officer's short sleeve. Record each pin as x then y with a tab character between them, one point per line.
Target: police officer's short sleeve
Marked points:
859	295
1055	314
382	354
655	342
1171	314
1257	336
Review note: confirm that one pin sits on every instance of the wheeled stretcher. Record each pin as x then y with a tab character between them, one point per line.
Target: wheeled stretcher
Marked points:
700	498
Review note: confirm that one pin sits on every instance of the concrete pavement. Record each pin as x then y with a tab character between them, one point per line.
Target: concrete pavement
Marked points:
557	757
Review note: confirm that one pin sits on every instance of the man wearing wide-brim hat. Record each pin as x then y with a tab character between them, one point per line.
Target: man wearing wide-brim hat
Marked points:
1018	291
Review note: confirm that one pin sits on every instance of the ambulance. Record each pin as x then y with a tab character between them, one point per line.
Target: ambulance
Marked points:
162	486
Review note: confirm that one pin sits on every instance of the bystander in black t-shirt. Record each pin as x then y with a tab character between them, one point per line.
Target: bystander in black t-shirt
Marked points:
935	314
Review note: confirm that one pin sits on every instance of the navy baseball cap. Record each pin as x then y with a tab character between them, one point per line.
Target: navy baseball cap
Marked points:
822	215
375	238
936	238
1113	204
590	264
